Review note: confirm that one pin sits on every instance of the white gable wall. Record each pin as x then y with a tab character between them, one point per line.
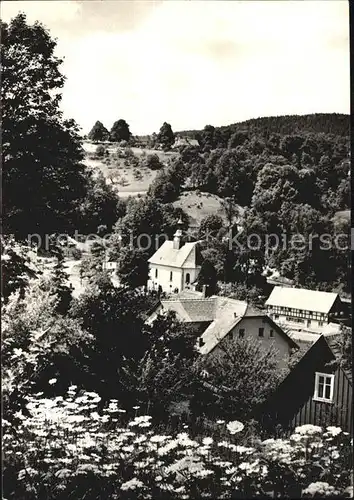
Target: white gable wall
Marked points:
251	327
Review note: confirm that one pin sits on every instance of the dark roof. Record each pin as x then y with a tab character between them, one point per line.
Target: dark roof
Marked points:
191	310
253	311
333	345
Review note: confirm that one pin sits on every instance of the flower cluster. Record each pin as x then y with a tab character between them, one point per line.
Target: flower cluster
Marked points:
70	447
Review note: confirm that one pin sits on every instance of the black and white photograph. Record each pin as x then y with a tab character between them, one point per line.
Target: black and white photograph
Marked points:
176	249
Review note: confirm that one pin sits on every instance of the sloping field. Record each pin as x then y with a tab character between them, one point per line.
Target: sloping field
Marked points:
127	179
198	205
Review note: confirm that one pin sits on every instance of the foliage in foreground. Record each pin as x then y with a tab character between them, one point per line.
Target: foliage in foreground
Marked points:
72	447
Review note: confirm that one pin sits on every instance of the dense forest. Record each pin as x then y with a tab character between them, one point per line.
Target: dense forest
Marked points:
327	123
291	176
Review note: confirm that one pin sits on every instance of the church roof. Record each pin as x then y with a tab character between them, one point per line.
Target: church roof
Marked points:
166	255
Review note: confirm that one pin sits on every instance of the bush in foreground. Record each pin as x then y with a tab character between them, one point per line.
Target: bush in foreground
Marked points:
70	447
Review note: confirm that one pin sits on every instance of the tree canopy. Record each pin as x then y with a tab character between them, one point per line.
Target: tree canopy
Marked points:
43	173
120	131
166	137
98	132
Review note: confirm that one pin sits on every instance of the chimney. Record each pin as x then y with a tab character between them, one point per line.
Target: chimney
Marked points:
204	291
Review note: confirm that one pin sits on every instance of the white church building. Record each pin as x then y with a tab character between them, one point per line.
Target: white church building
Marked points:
175	265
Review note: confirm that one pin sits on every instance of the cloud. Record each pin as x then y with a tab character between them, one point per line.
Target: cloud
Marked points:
193	63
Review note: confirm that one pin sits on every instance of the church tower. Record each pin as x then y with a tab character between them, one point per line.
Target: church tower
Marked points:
177	239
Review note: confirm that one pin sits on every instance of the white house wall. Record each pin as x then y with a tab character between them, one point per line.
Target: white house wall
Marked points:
251	327
163	278
190	260
179	276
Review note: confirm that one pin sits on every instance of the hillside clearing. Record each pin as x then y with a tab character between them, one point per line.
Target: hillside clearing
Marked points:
199	205
127	179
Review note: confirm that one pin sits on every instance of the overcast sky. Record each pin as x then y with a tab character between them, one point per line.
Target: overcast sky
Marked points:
193	63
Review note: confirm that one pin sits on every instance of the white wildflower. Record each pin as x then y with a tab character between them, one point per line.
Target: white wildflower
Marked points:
318	488
235	427
132	484
224	444
334	431
208	441
52	381
145	424
140	439
296	438
308	429
164	450
243	449
203	473
158	439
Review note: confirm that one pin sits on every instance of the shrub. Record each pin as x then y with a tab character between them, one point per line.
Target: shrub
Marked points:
75	447
153	162
100	151
76	253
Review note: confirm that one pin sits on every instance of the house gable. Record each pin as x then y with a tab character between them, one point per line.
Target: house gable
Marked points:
264	330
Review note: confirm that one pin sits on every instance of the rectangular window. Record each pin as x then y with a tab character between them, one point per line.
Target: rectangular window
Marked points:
171	275
276	316
260	332
241	333
324	387
155	273
271	334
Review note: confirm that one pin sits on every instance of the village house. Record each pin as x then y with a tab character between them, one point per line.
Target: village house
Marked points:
317	391
222	317
299	307
175	265
184	141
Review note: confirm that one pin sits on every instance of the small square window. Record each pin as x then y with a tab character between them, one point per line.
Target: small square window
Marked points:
241	333
271	334
276	316
324	387
260	332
